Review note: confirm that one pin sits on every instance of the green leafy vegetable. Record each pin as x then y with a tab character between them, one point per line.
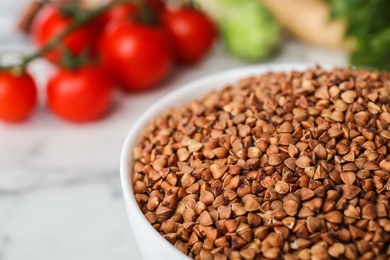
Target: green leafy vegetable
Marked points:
368	22
249	30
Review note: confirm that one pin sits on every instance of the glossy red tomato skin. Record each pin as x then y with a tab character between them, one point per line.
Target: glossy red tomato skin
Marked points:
50	22
124	11
138	56
191	32
80	95
18	96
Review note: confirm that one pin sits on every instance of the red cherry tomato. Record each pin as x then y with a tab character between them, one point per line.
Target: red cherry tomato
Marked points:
137	56
79	95
49	23
192	33
124	11
156	6
18	96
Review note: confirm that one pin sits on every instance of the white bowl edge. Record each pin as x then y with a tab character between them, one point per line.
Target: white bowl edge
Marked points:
190	91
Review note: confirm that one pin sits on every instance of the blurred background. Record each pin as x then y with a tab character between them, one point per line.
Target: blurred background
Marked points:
74	76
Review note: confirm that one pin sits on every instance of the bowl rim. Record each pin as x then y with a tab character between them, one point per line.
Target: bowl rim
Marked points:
152	112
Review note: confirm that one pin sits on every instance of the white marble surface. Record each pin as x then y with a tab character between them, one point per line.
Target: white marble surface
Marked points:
60	195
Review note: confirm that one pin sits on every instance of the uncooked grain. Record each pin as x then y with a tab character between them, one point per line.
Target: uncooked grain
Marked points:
287	165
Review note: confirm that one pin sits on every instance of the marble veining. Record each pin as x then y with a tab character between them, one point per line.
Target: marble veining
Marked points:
60	193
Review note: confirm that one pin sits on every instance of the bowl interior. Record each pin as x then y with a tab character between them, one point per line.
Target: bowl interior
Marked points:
181	96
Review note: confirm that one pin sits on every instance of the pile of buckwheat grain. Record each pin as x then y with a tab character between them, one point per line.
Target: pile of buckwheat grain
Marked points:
290	165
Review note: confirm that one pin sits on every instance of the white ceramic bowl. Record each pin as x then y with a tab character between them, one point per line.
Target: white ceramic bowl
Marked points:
151	244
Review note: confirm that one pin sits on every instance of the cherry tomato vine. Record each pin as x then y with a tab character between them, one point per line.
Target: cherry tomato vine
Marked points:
133	44
79	19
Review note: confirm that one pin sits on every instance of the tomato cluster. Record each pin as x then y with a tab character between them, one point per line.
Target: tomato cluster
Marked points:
134	55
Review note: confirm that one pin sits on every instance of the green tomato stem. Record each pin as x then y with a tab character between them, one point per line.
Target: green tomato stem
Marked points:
77	22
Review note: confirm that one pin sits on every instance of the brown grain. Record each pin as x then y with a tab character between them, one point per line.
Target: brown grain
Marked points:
289	165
